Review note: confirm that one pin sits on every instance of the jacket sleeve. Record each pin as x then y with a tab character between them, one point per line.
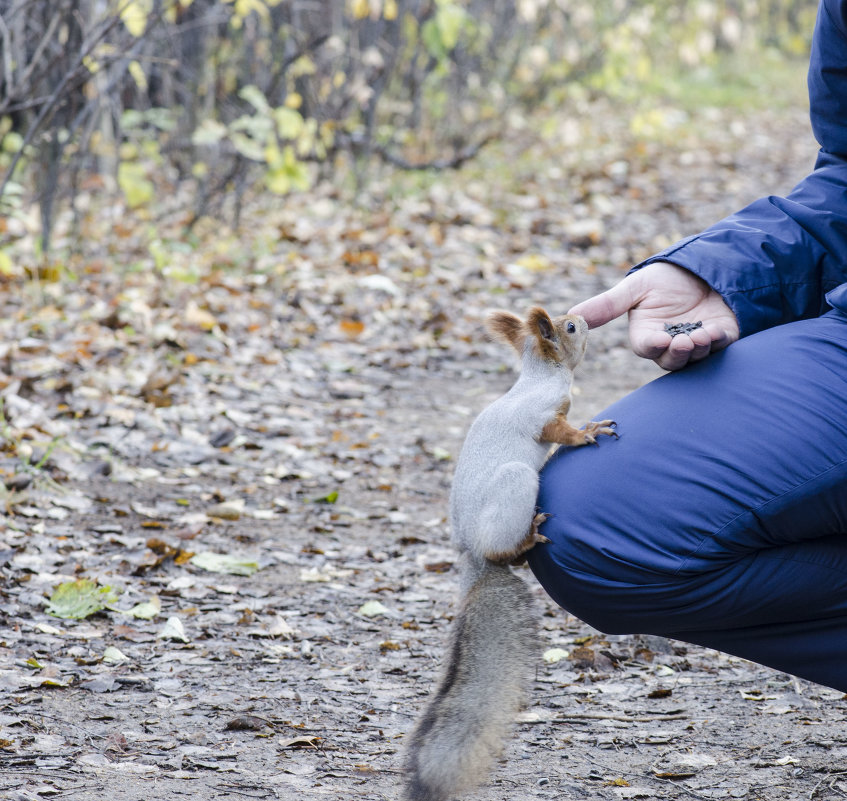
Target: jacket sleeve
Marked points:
775	260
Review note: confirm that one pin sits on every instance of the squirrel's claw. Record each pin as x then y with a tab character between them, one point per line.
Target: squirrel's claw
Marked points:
606	427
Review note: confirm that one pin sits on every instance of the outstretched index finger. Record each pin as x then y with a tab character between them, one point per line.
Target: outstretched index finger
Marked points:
608	305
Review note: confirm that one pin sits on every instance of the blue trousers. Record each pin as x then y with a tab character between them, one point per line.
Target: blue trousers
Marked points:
720	515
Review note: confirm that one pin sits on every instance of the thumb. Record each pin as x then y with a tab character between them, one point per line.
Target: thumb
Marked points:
608	305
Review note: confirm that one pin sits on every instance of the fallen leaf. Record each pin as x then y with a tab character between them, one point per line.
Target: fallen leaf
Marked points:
224	563
373	609
330	497
228	510
201	318
114	656
146	610
352	328
554	655
173	630
79	599
247	723
324	574
46	628
300	742
534	262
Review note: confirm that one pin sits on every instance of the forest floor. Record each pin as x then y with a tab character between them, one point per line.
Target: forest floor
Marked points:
290	396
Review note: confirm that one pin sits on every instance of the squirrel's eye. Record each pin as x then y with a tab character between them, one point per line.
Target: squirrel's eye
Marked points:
571	328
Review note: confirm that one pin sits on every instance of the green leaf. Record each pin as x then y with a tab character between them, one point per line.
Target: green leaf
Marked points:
286	172
431	37
209	132
224	563
441	33
12	142
330	497
450	19
247	147
289	123
256	98
79	599
144	611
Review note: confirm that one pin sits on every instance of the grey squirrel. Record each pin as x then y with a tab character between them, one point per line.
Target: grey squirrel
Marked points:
494	523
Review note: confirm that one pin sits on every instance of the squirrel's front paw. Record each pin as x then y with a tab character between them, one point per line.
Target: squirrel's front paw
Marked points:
606	427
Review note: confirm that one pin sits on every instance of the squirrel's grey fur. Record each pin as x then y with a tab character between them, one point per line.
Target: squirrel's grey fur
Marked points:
482	689
494	522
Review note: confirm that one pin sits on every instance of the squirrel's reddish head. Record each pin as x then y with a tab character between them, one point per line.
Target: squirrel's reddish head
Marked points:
556	339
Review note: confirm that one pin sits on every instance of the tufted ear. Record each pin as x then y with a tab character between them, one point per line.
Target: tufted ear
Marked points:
547	339
539	321
507	327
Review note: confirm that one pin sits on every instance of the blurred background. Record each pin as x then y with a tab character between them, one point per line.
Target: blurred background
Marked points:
187	107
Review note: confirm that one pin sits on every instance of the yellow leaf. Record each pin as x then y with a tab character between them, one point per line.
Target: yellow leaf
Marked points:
389	10
360	8
134	16
137	189
138	75
244	7
534	262
287	173
91	64
194	315
6	266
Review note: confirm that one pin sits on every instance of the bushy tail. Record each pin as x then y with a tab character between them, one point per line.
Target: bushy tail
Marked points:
489	663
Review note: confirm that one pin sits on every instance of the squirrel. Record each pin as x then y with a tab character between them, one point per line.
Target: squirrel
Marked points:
494	523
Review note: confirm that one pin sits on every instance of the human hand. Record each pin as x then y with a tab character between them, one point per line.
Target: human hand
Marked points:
663	293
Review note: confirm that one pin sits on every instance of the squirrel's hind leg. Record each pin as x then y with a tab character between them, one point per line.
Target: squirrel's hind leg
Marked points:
508	513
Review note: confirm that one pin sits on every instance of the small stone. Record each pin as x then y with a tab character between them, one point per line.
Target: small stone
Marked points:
19	481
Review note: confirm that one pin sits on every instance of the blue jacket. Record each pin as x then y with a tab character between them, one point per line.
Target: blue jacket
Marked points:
783	259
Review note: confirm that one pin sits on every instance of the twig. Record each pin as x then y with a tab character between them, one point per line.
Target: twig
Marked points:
684	789
436	164
627	718
827	776
244	789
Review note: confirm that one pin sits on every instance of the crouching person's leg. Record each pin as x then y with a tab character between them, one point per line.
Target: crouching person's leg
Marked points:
720	516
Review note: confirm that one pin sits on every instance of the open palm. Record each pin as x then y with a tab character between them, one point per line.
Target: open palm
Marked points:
663	293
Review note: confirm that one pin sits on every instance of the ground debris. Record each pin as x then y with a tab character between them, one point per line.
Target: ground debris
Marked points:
255	460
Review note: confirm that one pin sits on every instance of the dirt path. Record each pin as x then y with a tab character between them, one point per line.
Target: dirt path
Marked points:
299	412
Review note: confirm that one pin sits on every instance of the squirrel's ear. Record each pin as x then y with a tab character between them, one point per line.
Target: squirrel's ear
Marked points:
506	327
539	321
